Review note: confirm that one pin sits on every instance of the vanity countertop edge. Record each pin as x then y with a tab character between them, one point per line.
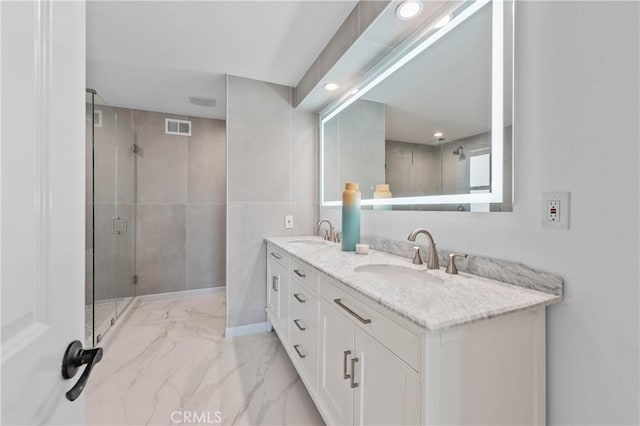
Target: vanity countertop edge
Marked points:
457	300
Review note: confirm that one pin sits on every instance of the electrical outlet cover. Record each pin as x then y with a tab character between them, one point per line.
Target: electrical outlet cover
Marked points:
555	210
288	222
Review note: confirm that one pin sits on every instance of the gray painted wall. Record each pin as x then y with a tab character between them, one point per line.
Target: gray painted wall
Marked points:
576	129
180	204
271	172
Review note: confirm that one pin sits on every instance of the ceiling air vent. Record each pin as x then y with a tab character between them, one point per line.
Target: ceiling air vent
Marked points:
204	102
177	127
97	118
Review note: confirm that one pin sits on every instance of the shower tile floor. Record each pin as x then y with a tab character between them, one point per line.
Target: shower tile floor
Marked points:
169	362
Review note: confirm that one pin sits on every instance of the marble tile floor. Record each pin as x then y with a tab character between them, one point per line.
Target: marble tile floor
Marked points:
169	363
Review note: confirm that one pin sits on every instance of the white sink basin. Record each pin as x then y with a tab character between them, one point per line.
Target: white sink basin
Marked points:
309	242
398	275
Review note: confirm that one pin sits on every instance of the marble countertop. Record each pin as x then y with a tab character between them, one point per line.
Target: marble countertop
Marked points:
439	301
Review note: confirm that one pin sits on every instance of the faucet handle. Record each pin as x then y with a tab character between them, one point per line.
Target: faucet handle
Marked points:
326	235
451	266
417	259
338	237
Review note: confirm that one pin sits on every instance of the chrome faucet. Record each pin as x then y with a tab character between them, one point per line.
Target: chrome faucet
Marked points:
432	262
331	235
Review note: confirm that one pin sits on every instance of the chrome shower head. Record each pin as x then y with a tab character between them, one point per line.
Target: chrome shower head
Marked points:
460	152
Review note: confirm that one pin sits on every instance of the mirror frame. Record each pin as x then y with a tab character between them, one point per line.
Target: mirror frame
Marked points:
404	53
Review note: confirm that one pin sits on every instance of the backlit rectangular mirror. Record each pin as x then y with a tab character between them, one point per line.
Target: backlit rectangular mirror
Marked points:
430	126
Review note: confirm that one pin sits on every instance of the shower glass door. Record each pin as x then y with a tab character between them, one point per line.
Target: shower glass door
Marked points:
111	187
125	210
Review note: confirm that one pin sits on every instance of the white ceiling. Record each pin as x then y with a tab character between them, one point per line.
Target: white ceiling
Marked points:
154	55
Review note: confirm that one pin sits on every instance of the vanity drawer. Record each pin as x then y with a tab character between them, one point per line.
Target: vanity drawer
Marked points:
303	305
304	350
305	274
402	342
278	255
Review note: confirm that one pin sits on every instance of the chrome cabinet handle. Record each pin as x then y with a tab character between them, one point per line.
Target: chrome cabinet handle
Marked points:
276	255
298	298
297	323
126	223
353	373
345	375
275	283
301	355
355	315
300	274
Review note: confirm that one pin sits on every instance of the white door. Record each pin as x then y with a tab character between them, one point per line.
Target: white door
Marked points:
42	80
337	353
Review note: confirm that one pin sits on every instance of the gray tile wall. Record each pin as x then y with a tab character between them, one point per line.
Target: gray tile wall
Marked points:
272	172
181	198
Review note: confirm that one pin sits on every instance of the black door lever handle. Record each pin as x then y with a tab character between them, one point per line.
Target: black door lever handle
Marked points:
74	358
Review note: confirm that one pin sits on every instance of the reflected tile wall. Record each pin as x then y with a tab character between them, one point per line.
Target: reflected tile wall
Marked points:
272	161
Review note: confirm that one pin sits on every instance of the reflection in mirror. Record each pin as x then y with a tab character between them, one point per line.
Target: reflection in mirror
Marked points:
426	130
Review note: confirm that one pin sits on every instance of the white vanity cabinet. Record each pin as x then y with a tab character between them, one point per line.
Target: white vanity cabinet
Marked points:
364	364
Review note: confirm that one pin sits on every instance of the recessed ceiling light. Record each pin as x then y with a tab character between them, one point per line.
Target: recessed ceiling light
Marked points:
443	21
438	134
354	91
409	9
331	86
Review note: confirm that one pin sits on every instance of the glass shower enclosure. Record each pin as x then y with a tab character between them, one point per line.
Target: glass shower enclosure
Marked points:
110	216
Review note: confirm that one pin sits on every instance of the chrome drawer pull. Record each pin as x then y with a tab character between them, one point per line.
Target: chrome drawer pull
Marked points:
276	255
275	283
297	323
346	308
300	274
345	375
353	373
301	355
298	298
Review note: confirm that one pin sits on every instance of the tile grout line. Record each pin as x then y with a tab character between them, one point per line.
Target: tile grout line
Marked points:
291	142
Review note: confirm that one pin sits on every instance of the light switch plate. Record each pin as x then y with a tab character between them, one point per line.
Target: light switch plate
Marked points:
555	210
288	221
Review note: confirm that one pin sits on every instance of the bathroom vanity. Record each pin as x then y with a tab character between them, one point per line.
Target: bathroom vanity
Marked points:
378	340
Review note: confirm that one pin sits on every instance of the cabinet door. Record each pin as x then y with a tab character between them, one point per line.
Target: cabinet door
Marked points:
272	289
336	351
277	299
387	392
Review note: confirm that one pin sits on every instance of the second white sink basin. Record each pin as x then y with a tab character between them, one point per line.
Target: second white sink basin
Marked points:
398	275
309	242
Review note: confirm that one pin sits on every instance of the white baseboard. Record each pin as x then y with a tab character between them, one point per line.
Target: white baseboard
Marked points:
211	290
244	330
